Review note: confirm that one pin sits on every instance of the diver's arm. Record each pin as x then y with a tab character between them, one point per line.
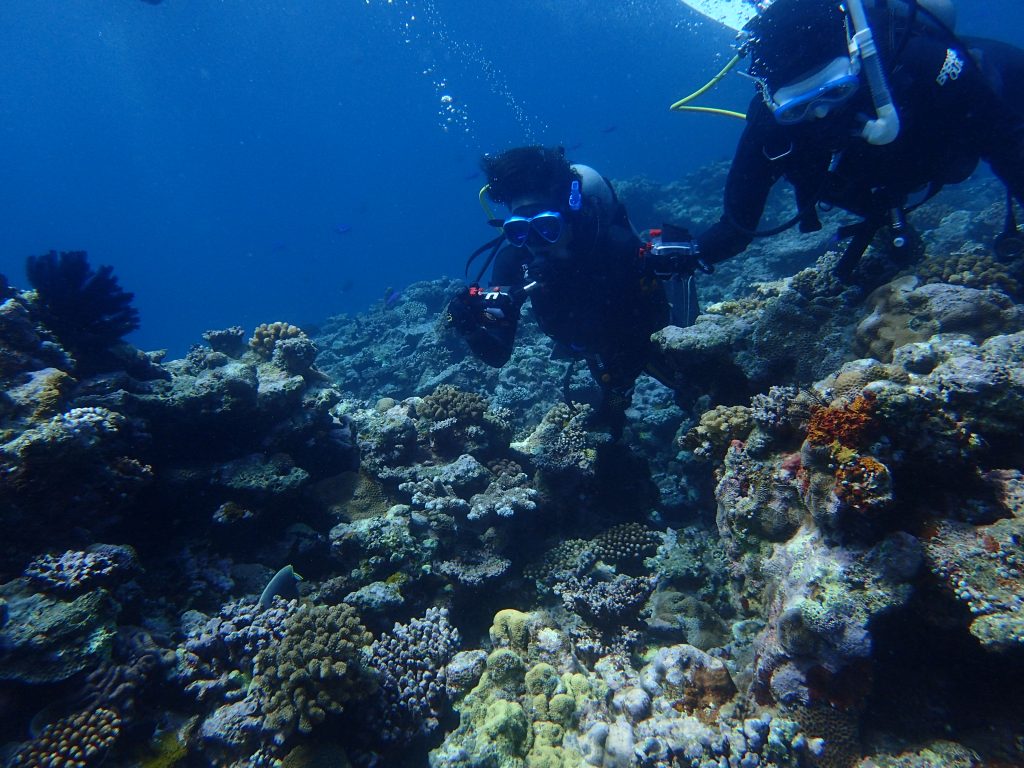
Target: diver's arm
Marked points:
487	318
998	87
751	177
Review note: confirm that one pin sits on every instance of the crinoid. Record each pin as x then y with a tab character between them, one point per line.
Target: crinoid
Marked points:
86	309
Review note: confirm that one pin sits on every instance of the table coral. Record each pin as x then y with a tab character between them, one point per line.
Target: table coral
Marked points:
72	572
47	639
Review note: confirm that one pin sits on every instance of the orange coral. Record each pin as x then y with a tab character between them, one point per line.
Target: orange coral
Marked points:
847	425
862	483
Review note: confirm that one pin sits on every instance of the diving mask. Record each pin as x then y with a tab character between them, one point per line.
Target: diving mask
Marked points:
547	225
816	95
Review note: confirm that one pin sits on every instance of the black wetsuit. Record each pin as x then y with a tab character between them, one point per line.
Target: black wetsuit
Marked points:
597	304
947	124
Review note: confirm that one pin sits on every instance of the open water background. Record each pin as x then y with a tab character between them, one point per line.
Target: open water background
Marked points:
244	161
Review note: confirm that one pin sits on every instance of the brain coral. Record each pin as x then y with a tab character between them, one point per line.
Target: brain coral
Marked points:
313	671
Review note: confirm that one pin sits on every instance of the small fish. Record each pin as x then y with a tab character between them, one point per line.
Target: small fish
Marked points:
392	298
609	129
342	229
346	286
574	147
471	176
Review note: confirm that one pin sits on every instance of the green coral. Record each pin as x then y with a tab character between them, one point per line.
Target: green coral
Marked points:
519	714
448	402
511	628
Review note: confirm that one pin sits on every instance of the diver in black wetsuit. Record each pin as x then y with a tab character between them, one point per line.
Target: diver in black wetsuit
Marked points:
873	134
568	246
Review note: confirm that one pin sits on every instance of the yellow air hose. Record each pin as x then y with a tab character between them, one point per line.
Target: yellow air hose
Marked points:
683	104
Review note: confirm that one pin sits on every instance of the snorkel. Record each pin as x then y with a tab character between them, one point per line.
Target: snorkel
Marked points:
886	126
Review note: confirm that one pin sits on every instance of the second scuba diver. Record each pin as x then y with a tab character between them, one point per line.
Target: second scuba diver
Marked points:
567	245
871	111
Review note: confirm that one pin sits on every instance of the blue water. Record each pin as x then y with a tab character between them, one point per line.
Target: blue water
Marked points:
240	161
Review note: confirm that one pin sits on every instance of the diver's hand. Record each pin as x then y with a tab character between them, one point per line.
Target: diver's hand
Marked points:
475	306
680	258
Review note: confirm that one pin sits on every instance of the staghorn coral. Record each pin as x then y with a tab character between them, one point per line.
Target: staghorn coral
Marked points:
267	335
410	661
474	569
312	672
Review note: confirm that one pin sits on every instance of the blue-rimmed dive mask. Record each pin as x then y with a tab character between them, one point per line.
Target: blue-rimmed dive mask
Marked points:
547	225
816	95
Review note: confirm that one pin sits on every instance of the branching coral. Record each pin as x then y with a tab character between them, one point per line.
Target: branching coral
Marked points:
410	661
448	402
266	336
314	670
717	429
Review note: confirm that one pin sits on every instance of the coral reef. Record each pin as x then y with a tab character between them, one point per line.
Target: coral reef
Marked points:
809	556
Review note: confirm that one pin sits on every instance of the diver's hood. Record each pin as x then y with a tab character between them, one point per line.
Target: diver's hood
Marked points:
795	37
593	186
929	12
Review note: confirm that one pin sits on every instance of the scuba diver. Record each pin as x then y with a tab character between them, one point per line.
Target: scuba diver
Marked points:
596	287
870	110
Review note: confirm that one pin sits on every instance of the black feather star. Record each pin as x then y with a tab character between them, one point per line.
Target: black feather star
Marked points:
86	310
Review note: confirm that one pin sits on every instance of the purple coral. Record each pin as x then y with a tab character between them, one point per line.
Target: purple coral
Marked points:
617	601
411	661
218	648
72	572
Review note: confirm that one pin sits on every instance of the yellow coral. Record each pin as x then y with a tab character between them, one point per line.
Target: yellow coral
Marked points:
511	628
266	336
717	429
